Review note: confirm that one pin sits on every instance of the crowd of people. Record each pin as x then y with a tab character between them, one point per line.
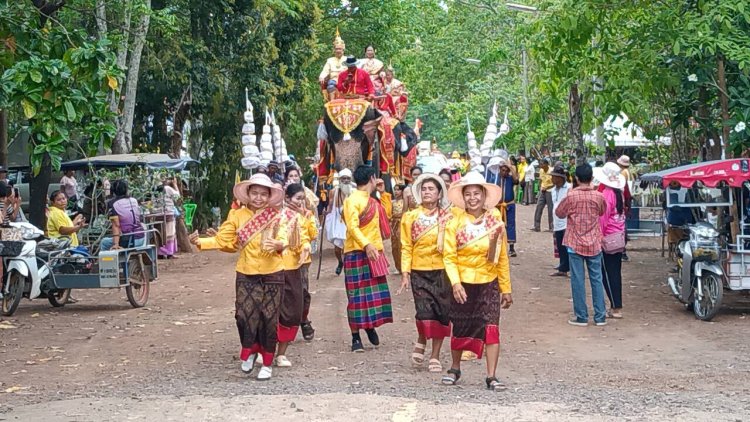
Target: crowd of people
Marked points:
451	242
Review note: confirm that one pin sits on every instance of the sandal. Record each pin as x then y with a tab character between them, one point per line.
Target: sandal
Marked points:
495	385
451	380
247	365
416	357
435	366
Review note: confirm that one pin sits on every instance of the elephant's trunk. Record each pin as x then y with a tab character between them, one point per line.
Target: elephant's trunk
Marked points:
348	155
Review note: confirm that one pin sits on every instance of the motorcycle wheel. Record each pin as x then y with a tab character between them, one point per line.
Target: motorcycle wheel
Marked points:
12	298
139	286
58	298
706	307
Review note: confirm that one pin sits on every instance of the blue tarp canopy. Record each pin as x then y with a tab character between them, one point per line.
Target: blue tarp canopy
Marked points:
152	161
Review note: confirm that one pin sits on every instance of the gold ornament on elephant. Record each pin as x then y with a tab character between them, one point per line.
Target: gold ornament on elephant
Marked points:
347	114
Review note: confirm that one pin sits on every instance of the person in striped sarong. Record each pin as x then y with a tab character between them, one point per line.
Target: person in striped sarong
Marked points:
365	264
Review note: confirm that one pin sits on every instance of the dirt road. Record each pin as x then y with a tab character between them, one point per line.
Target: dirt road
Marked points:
177	358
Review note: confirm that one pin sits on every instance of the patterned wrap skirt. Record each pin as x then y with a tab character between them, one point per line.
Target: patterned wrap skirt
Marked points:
292	306
432	300
369	298
477	321
257	307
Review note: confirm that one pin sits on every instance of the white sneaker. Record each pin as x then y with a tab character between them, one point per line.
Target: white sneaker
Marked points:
265	373
283	362
247	365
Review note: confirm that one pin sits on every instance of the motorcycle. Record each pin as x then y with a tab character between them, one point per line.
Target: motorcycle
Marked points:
699	281
29	274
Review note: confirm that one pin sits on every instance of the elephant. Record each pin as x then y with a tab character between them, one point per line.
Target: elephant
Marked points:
354	152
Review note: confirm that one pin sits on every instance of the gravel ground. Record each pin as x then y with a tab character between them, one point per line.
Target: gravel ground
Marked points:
100	358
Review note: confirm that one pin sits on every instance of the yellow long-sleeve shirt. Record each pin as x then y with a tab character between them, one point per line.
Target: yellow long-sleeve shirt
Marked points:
545	180
253	259
423	254
470	264
359	237
291	255
386	200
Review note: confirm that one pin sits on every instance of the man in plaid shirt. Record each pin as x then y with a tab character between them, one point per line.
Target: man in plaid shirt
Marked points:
583	237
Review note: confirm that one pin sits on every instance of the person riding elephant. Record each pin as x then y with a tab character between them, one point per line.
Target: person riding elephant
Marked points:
334	65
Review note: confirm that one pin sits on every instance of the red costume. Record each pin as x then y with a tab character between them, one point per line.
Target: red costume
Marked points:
357	82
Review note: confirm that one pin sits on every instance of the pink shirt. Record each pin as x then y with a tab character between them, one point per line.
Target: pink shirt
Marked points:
610	221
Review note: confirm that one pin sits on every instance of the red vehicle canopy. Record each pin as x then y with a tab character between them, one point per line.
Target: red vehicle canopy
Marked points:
734	172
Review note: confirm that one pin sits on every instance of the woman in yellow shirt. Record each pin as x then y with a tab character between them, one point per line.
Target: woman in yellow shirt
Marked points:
310	226
296	253
58	222
422	266
259	233
476	261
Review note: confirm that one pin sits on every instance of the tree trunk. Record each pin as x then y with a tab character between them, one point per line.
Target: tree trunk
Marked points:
183	240
4	138
575	122
122	57
38	186
179	118
124	139
724	100
707	133
101	18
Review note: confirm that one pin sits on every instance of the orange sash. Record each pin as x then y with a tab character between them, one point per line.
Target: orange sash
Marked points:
490	226
419	228
268	218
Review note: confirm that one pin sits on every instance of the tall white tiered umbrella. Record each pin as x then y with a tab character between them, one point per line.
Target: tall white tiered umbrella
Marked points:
266	142
250	152
489	135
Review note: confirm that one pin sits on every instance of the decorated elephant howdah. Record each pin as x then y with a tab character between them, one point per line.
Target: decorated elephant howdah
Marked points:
353	133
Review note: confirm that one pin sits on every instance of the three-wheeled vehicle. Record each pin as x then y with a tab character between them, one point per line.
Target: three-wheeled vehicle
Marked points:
50	268
714	254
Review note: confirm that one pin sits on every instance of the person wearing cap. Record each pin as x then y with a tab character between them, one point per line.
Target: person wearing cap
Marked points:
613	225
365	264
260	235
422	266
558	192
544	200
582	208
624	163
355	82
274	172
295	217
335	228
501	173
475	255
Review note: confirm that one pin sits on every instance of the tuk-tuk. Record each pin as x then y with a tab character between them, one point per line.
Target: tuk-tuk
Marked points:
713	253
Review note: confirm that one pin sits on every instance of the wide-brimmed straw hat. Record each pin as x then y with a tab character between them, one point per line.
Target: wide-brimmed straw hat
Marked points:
624	161
456	191
416	188
241	189
609	175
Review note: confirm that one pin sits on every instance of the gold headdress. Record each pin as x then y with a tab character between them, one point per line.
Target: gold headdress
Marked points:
390	67
338	42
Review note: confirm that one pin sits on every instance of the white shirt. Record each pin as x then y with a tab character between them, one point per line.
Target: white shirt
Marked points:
529	175
558	194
